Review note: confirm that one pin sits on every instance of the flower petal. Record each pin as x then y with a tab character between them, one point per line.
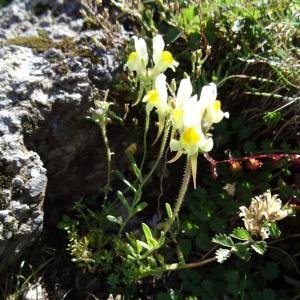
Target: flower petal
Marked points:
141	49
175	145
176	157
160	85
158	47
208	94
184	91
193	161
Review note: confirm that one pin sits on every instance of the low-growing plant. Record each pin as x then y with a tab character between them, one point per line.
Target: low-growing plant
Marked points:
122	249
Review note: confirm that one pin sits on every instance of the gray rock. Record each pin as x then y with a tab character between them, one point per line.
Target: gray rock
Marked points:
48	149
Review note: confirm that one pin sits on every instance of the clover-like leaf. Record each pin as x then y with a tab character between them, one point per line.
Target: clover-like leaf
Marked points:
259	247
240	234
223	240
274	230
242	251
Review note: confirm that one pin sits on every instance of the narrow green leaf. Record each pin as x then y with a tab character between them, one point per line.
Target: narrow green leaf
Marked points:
222	254
180	255
152	262
161	259
123	200
126	182
140	207
240	234
114	219
143	245
161	240
169	210
148	235
259	247
223	240
130	250
139	247
135	168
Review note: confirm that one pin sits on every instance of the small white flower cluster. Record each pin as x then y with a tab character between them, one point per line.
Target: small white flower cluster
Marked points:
138	59
191	118
263	210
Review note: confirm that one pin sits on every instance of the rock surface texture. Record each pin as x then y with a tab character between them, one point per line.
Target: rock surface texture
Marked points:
47	146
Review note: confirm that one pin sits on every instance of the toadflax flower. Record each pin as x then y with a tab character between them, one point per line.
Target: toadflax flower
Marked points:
211	106
138	59
158	99
263	210
183	94
192	139
162	59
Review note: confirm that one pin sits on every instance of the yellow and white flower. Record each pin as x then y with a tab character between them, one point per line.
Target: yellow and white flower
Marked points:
183	94
158	99
192	139
210	106
138	59
162	59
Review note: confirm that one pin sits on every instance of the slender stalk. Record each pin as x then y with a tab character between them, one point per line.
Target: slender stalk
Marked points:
176	267
159	156
244	77
145	139
108	159
180	197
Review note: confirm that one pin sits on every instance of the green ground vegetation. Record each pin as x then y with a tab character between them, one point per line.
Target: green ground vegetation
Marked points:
250	49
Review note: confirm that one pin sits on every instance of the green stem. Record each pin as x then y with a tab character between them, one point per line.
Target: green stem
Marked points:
159	156
108	159
176	267
145	139
244	77
180	197
136	200
137	196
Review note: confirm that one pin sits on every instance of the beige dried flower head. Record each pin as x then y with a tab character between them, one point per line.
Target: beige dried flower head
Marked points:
263	210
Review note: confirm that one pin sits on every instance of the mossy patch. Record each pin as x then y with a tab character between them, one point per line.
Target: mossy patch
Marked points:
43	42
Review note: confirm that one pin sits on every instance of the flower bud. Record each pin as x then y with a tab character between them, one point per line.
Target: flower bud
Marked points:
208	50
235	166
254	164
193	58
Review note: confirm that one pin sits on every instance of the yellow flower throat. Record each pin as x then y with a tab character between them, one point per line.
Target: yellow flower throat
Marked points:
190	136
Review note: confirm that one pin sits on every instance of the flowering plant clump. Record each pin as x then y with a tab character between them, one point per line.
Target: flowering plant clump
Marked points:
185	121
190	118
138	62
262	212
